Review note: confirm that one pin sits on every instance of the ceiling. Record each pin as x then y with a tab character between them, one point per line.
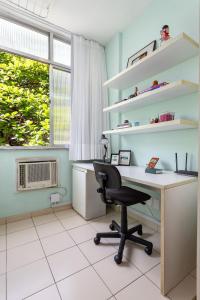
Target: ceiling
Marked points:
96	19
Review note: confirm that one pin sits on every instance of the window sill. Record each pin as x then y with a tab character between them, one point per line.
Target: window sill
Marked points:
35	147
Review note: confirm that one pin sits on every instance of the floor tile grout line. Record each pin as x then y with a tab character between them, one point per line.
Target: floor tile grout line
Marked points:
92	265
23	229
138	267
35	227
48	265
127	285
111	255
68	276
95	271
25	265
8	249
143	274
45	255
189	275
149	279
152	268
76	244
39	291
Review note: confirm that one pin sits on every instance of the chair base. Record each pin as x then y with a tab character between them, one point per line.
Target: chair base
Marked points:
123	233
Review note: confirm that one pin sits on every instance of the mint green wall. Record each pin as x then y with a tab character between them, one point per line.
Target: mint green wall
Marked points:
113	55
181	16
13	202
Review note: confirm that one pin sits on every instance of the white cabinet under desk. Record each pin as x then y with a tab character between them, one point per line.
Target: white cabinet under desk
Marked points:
178	219
85	199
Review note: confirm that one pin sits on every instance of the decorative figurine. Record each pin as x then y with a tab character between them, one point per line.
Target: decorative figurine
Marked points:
134	94
153	121
155	85
165	36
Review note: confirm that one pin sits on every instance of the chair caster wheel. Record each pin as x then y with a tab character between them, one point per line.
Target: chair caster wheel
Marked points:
148	250
140	232
112	227
118	259
96	240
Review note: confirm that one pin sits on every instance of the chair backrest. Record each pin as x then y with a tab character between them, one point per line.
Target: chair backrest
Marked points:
113	177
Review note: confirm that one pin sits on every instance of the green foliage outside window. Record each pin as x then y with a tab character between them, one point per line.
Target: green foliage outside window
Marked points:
24	101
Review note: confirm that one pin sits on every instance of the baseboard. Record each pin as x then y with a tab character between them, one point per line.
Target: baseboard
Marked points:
44	211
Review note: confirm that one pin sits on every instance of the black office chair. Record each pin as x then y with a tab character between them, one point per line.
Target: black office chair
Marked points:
112	192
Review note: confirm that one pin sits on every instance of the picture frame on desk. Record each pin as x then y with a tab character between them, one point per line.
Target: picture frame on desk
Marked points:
114	159
141	53
124	157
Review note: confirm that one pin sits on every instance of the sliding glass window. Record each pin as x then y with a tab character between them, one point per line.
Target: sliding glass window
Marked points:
35	81
61	106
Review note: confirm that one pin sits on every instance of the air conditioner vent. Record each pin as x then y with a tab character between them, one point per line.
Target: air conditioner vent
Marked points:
38	172
33	174
22	175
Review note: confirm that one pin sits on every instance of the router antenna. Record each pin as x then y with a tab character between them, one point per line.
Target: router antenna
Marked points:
186	159
176	160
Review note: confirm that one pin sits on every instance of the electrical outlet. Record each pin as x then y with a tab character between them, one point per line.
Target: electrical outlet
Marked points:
55	198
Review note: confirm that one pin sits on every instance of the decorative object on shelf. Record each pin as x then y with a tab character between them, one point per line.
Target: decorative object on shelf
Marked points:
153	162
104	141
164	117
155	85
119	101
168	116
184	172
114	159
124	157
157	63
134	94
126	124
153	121
135	123
141	53
151	166
164	33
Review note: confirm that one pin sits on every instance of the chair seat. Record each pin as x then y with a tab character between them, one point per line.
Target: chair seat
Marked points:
126	196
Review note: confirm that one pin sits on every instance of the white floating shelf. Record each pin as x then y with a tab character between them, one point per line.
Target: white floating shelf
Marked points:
173	52
170	91
178	124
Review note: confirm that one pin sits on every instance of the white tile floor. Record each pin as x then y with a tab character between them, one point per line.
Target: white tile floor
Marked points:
53	257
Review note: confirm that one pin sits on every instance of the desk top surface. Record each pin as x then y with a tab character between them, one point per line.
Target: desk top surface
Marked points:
135	174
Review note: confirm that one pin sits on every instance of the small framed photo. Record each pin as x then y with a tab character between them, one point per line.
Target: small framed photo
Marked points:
124	157
141	53
114	159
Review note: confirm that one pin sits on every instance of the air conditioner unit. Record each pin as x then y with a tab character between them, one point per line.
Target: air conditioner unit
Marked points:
36	174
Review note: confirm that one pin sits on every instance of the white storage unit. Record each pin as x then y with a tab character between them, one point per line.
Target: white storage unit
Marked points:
85	199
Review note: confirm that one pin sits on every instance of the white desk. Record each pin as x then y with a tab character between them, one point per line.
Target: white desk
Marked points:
178	220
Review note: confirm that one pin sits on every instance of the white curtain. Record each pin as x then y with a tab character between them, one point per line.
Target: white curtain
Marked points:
88	99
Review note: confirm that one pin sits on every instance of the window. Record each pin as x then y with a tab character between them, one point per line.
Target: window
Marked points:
35	85
61	106
62	52
24	101
23	39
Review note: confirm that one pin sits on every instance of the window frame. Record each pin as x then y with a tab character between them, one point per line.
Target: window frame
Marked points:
52	64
